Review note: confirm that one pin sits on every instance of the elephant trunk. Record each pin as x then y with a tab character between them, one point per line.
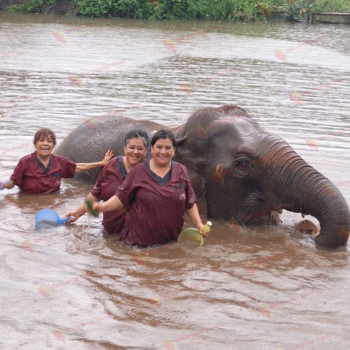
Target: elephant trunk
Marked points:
300	188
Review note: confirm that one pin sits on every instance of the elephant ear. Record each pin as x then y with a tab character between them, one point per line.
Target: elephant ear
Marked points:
180	141
183	154
181	145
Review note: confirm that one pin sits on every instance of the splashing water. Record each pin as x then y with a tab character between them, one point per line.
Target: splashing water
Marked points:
87	242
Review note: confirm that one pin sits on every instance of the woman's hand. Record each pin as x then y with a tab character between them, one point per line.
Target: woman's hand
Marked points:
95	206
8	184
199	227
193	213
75	215
108	156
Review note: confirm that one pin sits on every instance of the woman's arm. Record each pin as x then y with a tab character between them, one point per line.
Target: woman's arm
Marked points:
87	166
193	213
81	210
10	185
112	204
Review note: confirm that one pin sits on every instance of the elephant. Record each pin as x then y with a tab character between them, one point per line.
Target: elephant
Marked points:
307	226
238	171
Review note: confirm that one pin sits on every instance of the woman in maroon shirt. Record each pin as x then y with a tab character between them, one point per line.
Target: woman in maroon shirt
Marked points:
112	176
42	171
157	192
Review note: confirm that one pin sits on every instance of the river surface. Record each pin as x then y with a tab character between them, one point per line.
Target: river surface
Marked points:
258	288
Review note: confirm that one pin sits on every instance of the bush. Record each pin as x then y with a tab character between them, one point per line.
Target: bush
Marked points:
332	5
248	10
297	10
30	6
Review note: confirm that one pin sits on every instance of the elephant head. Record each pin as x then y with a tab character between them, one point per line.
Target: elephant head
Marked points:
244	174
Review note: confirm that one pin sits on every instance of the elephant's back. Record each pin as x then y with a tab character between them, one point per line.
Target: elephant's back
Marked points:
91	140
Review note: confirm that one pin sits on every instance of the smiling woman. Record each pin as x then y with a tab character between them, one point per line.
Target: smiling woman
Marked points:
152	182
112	176
42	171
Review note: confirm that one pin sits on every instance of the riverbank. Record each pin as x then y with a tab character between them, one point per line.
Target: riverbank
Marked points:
224	10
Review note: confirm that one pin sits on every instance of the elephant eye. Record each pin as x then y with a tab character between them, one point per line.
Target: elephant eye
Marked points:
242	167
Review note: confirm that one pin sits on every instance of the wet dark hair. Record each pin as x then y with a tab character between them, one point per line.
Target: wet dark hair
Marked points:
45	133
163	134
137	134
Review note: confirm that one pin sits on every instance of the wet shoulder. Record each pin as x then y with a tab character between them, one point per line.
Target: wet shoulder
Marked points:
112	165
139	169
28	158
179	168
58	158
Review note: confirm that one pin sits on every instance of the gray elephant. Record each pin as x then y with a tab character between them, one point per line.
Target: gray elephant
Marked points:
239	171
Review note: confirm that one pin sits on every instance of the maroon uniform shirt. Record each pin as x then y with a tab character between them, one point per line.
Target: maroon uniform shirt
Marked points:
156	210
31	176
112	175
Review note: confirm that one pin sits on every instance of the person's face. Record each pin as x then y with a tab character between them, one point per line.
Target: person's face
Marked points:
135	151
44	146
162	151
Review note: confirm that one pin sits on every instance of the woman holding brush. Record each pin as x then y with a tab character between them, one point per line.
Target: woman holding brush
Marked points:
157	193
112	176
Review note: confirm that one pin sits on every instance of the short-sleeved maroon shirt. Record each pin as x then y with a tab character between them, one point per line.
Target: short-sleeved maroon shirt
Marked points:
156	211
112	175
31	176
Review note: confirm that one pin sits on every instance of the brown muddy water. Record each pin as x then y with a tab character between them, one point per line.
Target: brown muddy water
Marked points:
258	287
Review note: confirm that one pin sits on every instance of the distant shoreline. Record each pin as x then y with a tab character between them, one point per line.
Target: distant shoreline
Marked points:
155	10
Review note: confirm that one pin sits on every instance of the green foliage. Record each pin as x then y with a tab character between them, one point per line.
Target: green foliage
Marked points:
247	10
231	10
297	10
94	8
30	6
332	5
